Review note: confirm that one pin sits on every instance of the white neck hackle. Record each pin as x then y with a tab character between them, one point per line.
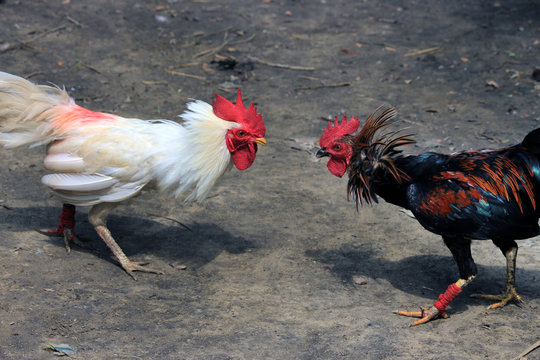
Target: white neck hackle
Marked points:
194	155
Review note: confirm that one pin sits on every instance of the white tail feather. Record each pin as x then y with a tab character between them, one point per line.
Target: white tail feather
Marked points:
25	111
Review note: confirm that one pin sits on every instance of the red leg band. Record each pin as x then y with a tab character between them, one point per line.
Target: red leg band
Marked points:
445	299
67	219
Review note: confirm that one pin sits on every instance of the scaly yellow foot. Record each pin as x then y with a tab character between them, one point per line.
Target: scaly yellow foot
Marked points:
503	299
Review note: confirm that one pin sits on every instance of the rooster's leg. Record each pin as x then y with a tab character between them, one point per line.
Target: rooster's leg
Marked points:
98	217
461	250
65	228
509	250
438	308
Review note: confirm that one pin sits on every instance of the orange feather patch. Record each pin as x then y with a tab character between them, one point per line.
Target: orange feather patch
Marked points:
441	200
74	115
503	179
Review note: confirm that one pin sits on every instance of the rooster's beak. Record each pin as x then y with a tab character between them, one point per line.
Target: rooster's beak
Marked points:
322	153
261	141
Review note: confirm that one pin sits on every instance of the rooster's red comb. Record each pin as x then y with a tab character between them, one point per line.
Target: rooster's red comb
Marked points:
226	110
332	133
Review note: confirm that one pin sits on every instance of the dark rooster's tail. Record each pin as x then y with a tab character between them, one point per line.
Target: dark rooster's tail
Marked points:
532	142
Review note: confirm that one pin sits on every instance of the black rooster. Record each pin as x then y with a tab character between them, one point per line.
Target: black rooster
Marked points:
487	194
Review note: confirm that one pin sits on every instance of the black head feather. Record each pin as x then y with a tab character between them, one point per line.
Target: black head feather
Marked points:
373	157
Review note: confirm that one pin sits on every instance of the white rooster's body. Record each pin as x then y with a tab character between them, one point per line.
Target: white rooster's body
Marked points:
100	159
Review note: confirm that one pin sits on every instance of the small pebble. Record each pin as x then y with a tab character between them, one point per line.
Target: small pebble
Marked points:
360	280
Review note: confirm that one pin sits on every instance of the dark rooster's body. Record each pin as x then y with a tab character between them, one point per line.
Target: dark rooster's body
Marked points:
488	194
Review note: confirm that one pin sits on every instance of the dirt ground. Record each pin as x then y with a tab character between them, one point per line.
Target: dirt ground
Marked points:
279	265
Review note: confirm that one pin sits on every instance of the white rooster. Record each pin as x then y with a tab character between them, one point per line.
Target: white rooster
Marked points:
99	159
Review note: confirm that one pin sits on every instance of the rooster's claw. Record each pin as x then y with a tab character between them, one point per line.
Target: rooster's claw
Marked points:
68	236
131	266
503	299
424	314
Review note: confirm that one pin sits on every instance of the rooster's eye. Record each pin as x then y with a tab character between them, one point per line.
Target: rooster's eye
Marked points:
337	147
241	133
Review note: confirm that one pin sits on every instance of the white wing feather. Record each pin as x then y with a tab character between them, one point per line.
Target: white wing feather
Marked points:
64	162
114	194
78	182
